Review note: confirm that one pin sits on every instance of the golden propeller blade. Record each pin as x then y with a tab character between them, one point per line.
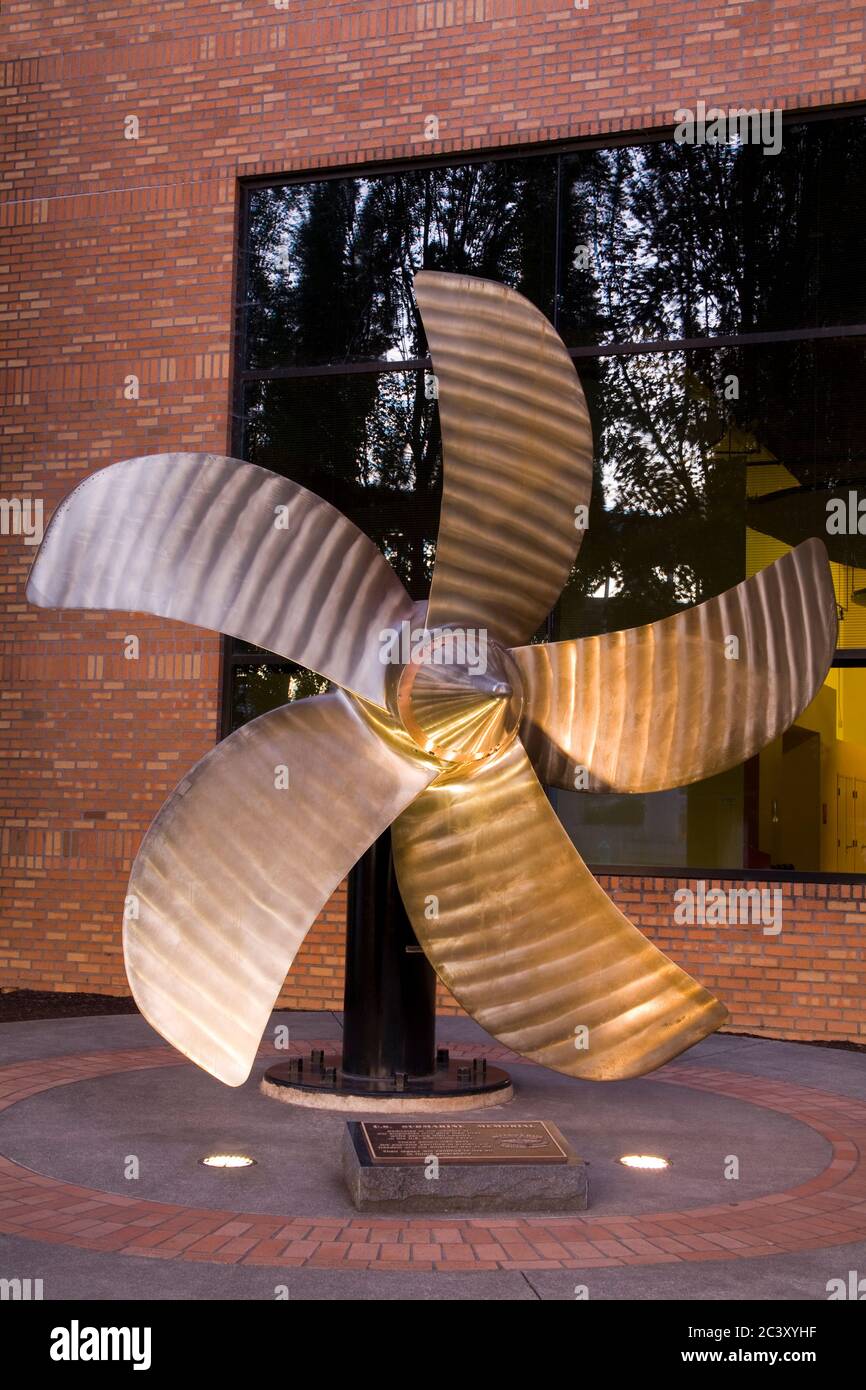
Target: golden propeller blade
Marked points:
527	940
517	451
228	546
678	700
242	857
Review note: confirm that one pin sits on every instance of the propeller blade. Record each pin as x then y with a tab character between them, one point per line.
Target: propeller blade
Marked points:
236	867
228	546
517	457
675	701
527	940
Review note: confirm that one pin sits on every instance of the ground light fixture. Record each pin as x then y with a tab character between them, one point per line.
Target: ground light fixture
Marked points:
648	1161
227	1161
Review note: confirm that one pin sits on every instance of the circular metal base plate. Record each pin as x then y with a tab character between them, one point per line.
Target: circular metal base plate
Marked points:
319	1082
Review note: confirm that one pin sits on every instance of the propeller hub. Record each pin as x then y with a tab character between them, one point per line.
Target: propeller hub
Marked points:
459	695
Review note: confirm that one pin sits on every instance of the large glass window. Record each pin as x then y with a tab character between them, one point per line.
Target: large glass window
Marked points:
714	300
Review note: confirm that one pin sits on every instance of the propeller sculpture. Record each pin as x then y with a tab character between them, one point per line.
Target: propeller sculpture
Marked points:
448	750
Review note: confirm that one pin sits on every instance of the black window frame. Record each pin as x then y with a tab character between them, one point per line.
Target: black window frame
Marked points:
241	376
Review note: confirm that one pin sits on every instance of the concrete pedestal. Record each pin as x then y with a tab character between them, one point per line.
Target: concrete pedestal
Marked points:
464	1186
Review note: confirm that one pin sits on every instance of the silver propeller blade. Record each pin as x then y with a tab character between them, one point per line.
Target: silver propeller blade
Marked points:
228	546
237	865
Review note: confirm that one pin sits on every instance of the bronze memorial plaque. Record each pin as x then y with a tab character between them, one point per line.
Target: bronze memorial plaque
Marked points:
468	1141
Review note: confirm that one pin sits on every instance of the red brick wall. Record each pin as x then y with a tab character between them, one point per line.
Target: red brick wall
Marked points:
116	258
807	981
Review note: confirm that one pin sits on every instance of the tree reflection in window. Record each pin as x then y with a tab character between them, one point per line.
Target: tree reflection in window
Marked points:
714	298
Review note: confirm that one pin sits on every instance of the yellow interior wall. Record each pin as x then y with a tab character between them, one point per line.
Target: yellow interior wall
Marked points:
851	715
849	760
838	715
715	819
770	476
821	715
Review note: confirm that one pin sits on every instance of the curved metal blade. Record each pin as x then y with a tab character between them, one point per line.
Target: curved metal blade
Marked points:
526	939
237	865
517	457
228	546
667	704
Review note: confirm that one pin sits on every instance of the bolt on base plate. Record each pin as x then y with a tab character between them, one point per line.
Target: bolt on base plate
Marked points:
319	1080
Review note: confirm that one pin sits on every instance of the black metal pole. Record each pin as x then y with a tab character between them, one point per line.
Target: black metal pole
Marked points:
389	1021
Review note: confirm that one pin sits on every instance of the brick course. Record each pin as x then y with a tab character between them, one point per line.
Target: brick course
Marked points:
117	258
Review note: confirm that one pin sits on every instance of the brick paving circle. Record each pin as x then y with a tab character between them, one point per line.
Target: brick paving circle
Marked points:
828	1209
